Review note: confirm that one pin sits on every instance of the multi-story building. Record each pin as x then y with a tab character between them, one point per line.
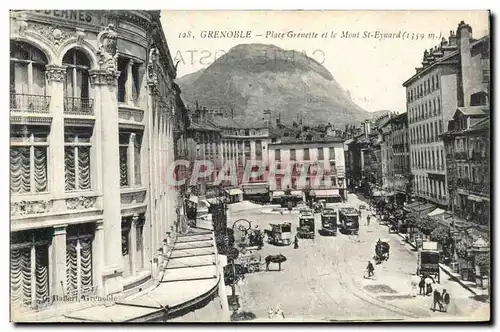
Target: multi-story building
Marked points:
92	110
402	178
468	163
307	155
433	94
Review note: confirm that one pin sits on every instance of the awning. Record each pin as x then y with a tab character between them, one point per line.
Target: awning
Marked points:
255	188
424	207
297	193
191	268
436	212
277	194
193	199
327	193
474	198
235	191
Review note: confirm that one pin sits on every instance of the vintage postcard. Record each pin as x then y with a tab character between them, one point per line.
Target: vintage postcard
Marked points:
249	166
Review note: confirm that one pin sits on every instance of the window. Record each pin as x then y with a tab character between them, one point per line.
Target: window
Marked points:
486	76
321	154
306	154
77	158
130	159
277	154
433	87
27	70
29	267
28	160
292	154
332	153
437	82
129	81
76	88
79	240
258	150
125	226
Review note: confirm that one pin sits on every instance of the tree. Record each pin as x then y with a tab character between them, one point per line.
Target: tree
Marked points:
441	234
483	261
426	225
461	249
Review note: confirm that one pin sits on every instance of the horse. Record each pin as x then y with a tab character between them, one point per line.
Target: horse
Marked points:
269	234
275	259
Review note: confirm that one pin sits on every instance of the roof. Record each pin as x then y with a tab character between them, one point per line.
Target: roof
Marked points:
315	138
428	68
473	110
206	126
224	122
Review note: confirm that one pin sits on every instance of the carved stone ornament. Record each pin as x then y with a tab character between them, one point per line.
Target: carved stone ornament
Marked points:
55	34
55	73
104	77
108	39
19	24
29	207
153	69
80	35
80	203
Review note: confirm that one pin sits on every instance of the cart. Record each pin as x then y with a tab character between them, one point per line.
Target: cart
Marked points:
250	262
280	234
306	226
428	261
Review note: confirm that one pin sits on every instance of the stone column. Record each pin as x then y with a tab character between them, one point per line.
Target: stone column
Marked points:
58	261
221	152
105	85
132	241
237	158
252	150
55	77
243	158
98	248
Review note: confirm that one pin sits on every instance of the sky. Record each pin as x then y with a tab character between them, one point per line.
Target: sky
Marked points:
372	69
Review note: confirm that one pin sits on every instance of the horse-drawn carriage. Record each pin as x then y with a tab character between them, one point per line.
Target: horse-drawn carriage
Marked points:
428	261
250	262
306	225
280	234
382	249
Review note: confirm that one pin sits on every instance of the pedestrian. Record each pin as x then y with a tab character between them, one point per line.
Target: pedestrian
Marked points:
270	312
437	300
296	243
421	285
414	283
368	220
428	284
446	300
279	312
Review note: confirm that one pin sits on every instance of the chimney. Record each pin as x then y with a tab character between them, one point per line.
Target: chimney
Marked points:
464	37
367	127
452	39
197	106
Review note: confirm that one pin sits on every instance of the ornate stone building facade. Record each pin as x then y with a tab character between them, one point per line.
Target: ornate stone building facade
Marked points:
92	114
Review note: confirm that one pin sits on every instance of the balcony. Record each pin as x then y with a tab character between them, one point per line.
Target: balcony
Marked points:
79	106
20	102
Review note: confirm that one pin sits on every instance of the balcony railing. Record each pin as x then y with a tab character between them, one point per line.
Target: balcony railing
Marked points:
20	102
78	106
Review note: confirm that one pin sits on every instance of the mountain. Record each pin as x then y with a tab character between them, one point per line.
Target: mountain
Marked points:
251	78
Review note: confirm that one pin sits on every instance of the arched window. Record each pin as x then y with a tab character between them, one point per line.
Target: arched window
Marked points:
76	88
27	69
27	78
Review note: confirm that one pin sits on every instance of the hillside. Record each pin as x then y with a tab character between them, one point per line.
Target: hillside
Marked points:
253	77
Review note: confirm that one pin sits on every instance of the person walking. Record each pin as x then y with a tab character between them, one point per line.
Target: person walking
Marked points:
296	243
368	220
446	300
437	300
421	285
428	284
279	312
270	313
370	269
